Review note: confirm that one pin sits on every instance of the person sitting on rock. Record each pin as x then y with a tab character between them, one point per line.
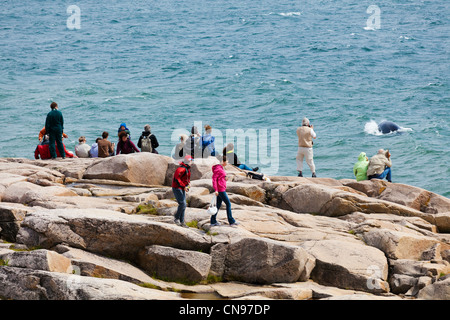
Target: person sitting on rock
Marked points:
208	148
123	127
233	159
147	141
179	153
125	145
380	166
360	167
82	149
43	151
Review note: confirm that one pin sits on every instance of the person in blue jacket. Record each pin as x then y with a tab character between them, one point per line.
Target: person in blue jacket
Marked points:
123	127
208	147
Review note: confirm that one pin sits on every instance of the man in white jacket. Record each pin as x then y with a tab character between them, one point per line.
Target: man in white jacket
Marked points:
82	149
305	135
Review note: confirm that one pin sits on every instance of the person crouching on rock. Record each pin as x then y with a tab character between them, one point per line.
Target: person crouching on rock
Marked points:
219	183
180	185
380	166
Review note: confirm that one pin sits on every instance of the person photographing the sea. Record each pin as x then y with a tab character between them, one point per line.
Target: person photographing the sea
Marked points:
380	166
305	135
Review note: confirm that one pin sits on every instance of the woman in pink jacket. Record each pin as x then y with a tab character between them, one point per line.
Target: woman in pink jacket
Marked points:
220	186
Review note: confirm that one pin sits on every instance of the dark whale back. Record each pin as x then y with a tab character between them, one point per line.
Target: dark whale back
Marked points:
388	126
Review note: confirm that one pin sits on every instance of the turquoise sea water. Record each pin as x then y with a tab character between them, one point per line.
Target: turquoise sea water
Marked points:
250	65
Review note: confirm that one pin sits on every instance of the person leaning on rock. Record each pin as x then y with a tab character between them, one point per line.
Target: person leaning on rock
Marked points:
305	135
380	166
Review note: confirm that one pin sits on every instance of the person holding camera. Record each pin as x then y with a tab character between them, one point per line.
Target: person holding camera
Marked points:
380	166
305	135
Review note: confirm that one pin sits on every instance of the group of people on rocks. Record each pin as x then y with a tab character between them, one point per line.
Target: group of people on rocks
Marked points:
190	147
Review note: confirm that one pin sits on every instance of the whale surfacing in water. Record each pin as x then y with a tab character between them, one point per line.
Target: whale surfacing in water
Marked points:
388	126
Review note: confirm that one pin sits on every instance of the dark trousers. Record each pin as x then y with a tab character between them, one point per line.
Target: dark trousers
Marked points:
180	196
223	197
56	137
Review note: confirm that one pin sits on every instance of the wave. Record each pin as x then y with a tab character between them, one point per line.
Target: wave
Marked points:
371	128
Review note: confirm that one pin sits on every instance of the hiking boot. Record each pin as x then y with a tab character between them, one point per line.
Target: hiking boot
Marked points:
255	169
177	222
215	224
314	175
300	174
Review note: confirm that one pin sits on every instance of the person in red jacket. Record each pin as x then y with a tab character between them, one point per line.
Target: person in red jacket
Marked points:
219	183
180	185
43	151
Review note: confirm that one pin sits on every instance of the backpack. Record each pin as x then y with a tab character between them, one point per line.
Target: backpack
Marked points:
146	144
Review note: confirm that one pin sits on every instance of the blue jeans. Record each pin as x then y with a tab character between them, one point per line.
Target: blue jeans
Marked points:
387	173
180	195
244	167
223	197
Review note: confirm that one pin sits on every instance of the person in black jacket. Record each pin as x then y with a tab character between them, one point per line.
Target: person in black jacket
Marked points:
147	134
233	159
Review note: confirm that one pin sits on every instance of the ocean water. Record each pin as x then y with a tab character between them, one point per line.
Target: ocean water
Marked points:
254	66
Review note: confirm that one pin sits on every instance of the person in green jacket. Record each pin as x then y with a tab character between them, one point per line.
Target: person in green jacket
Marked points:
360	167
54	126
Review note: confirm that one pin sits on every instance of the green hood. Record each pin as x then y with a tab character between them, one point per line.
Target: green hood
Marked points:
362	156
360	167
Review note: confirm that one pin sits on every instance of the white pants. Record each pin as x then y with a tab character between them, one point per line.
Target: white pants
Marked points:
306	153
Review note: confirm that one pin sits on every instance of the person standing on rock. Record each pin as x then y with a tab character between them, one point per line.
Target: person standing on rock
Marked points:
180	185
54	127
219	183
380	166
305	135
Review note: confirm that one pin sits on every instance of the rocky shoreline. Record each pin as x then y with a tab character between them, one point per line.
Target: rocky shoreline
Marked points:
89	229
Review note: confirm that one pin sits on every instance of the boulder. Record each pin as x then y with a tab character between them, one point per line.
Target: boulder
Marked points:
39	260
333	202
398	244
349	265
26	192
11	216
410	276
251	191
263	261
29	284
93	265
141	168
175	264
442	221
440	290
415	198
106	232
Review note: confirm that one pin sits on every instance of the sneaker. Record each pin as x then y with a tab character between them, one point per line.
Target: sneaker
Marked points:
314	175
177	222
215	224
234	224
300	174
